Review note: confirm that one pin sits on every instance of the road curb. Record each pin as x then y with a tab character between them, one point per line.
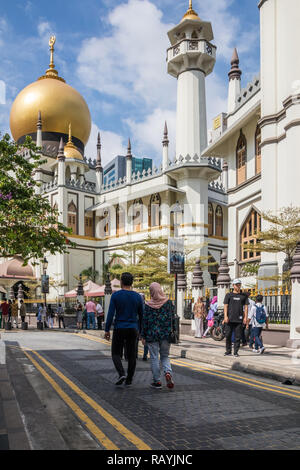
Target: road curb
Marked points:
256	369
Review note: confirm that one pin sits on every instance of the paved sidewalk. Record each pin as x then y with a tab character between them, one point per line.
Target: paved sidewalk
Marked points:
278	363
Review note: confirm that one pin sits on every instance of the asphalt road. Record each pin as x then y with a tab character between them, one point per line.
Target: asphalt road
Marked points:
64	385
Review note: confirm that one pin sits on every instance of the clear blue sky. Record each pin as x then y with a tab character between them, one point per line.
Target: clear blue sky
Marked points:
113	52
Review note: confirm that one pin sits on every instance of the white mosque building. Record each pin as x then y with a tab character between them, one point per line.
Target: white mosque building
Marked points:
222	184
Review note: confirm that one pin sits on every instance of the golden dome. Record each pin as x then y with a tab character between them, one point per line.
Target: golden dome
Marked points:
190	14
70	150
58	102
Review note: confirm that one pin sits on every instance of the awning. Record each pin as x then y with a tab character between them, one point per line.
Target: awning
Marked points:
94	290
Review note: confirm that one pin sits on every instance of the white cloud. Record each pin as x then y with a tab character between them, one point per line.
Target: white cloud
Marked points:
112	145
130	63
148	134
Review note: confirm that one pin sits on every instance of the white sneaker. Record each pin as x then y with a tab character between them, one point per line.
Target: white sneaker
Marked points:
262	350
256	351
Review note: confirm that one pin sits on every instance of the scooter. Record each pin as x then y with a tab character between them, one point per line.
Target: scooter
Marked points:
218	330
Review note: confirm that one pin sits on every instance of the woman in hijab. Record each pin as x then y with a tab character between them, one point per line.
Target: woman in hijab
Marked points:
156	330
199	316
210	316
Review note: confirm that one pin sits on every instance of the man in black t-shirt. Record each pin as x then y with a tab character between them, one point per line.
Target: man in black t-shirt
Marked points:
235	315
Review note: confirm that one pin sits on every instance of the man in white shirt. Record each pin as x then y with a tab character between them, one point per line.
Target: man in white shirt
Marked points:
100	315
258	319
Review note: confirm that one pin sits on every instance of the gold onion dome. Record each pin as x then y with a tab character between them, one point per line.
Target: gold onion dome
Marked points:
190	14
70	150
59	104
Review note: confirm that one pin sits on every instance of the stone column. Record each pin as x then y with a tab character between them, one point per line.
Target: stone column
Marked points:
294	340
223	280
80	291
181	288
197	283
20	297
108	294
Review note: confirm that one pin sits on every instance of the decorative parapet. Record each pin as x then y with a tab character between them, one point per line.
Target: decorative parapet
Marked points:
201	161
82	186
247	93
91	163
48	187
190	45
295	271
217	186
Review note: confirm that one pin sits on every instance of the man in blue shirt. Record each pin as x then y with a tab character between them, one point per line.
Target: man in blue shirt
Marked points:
127	307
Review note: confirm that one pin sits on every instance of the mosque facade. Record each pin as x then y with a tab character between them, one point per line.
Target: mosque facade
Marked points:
221	180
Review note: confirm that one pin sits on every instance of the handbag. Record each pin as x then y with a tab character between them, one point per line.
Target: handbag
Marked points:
172	335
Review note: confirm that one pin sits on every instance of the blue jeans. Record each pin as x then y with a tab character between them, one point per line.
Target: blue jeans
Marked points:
91	317
161	348
258	342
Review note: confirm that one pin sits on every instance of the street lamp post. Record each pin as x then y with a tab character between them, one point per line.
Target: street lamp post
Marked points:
45	284
177	210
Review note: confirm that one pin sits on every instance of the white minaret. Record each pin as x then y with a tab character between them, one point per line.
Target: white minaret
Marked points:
165	142
280	113
129	163
235	88
191	58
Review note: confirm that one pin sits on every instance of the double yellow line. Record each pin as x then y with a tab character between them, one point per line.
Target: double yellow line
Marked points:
90	425
225	375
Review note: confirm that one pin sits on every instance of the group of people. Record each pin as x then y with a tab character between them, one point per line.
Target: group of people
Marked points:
244	319
47	315
90	314
151	321
10	312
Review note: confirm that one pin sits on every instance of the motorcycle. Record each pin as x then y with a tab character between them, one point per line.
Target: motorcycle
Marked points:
218	330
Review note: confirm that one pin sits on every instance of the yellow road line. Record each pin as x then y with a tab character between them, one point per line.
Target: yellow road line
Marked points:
225	375
141	445
178	362
100	436
209	371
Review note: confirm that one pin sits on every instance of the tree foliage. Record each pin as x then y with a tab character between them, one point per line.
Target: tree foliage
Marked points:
29	226
148	262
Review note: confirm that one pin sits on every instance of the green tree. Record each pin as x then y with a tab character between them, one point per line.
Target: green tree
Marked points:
282	236
89	274
28	224
148	262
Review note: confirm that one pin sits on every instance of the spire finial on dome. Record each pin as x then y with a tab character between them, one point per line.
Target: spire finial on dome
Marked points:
99	162
190	14
70	134
166	138
52	41
129	154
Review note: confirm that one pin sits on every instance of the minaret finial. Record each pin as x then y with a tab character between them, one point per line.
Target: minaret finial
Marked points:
70	134
129	154
39	121
61	153
98	163
52	41
166	139
235	71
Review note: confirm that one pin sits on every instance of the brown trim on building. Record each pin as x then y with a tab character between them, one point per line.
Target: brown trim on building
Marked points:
218	238
245	184
261	3
275	118
275	140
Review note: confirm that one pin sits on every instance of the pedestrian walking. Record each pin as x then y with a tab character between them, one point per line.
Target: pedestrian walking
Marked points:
258	318
22	311
91	313
100	315
51	316
156	330
5	311
9	310
84	319
210	316
79	314
14	314
44	315
199	316
235	316
60	316
126	309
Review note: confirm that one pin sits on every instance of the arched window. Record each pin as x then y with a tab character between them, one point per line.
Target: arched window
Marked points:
72	217
219	222
154	216
249	235
120	220
258	151
210	220
137	215
241	159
